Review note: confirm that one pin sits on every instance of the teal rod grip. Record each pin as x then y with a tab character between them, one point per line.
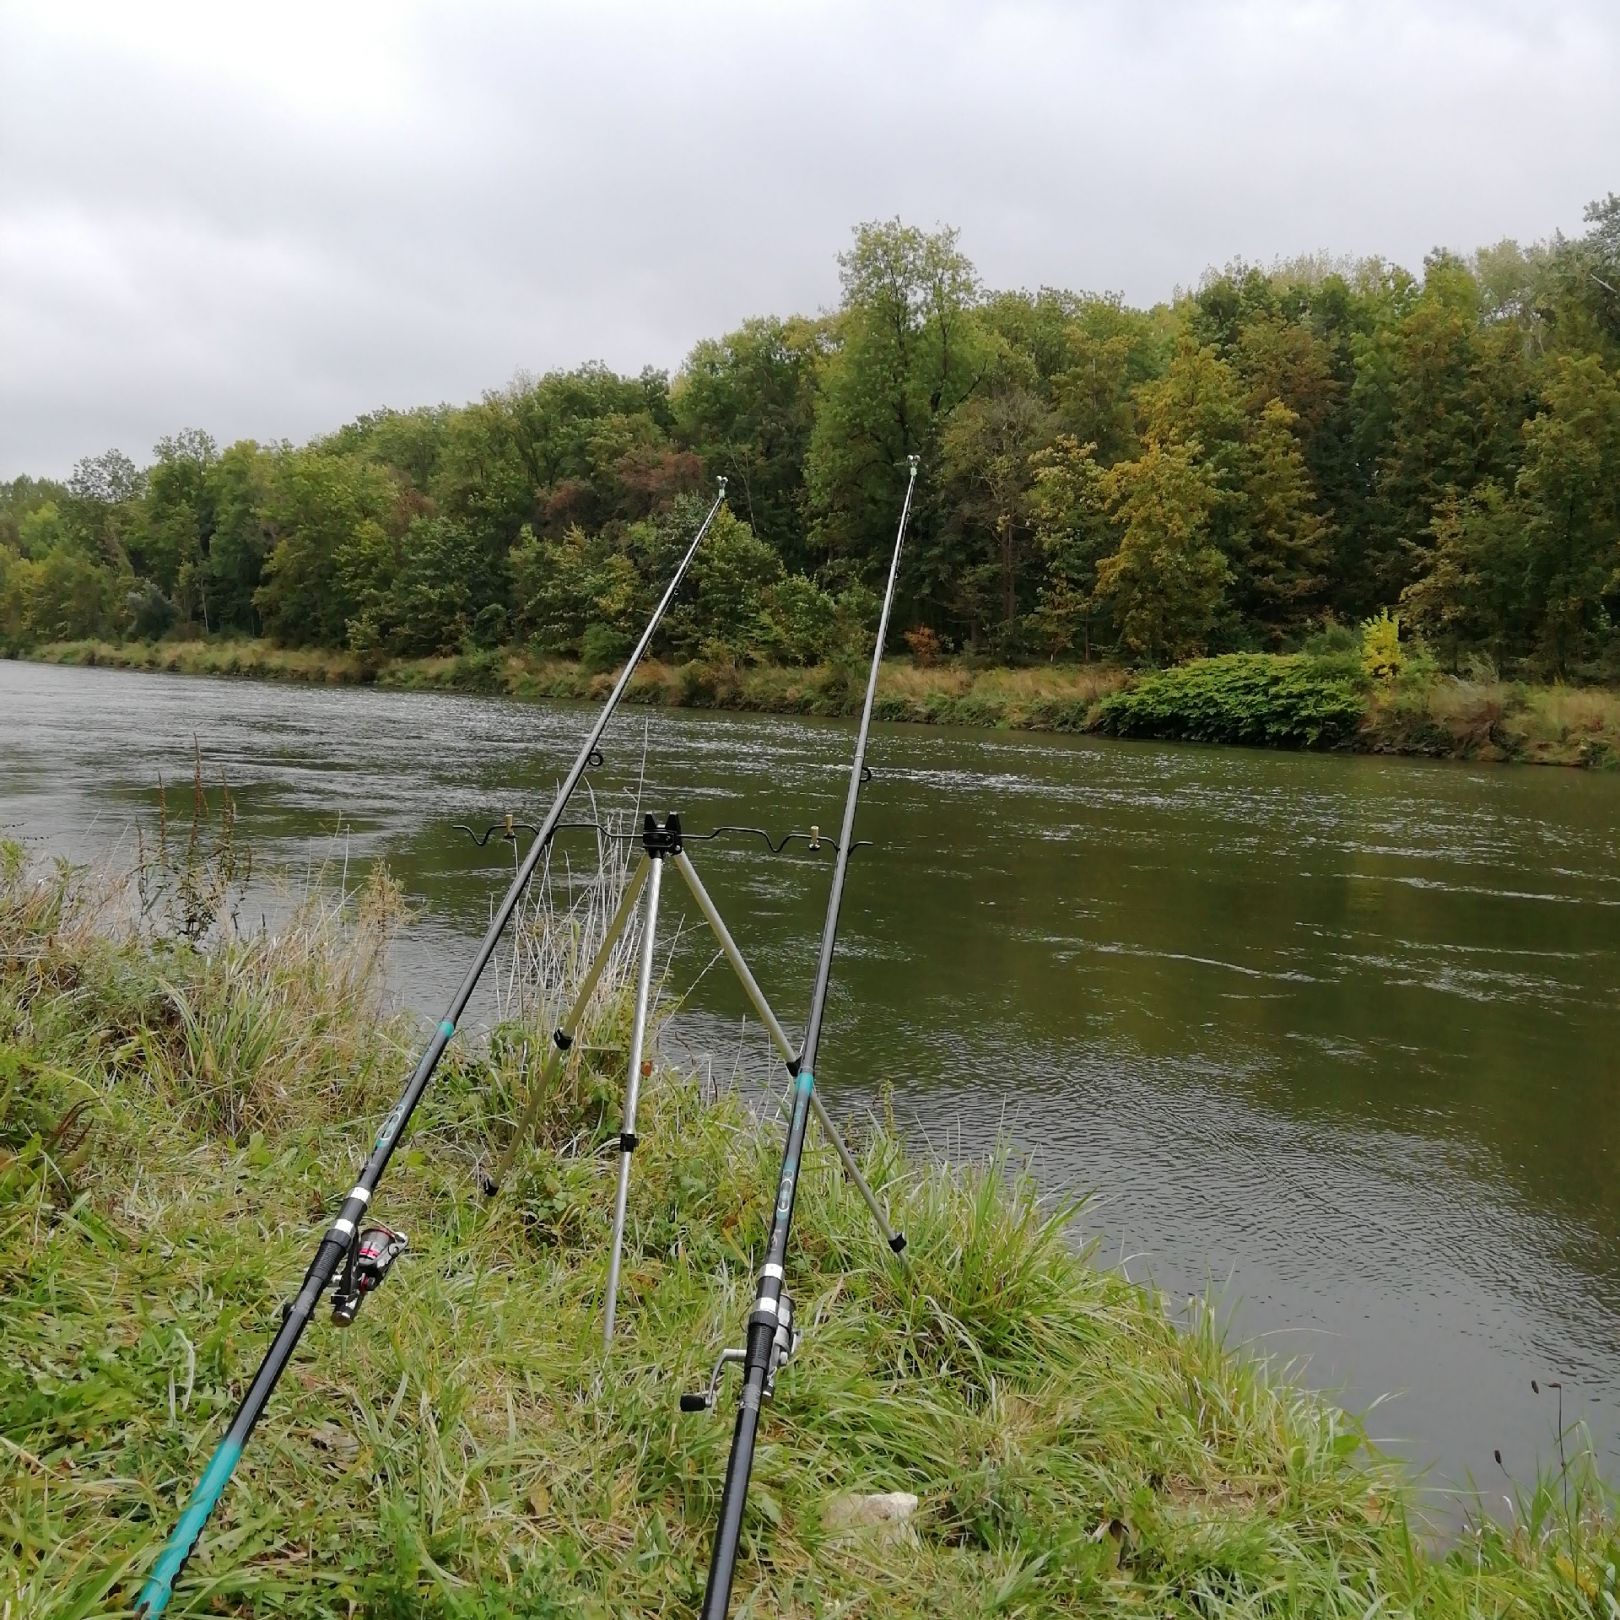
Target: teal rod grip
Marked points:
159	1588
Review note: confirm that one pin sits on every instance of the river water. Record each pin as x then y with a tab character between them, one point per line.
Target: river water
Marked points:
1333	1037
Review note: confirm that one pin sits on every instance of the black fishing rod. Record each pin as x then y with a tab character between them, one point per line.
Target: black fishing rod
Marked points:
772	1336
366	1255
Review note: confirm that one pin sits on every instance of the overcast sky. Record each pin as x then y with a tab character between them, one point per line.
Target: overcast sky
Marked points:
264	219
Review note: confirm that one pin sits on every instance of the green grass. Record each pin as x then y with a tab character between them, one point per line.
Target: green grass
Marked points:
173	1128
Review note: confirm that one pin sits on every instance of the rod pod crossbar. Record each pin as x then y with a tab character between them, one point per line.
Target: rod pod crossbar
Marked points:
771	1334
342	1234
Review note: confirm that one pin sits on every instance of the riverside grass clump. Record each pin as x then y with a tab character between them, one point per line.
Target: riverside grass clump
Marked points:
464	1450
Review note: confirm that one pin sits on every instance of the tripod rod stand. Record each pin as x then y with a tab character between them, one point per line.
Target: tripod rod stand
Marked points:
661	843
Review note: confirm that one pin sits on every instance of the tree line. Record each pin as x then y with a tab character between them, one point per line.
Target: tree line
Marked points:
1279	450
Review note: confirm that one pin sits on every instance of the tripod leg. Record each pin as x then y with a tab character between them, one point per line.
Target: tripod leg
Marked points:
895	1240
563	1037
632	1094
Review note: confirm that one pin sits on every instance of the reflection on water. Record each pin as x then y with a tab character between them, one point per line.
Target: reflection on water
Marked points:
1335	1036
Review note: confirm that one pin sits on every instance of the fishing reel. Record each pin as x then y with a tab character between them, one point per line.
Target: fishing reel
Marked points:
371	1254
784	1345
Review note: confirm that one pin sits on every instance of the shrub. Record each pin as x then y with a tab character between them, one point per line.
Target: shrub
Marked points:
924	645
602	647
1278	700
1382	657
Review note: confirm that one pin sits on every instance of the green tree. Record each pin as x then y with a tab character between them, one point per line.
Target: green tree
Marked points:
726	613
1198	403
1439	400
554	585
910	350
317	508
745	403
102	504
1472	595
985	477
1286	537
1112	352
1073	534
441	584
1569	491
169	542
238	489
1165	582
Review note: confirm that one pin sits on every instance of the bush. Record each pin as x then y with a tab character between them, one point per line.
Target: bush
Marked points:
924	645
803	619
1274	700
1382	657
602	647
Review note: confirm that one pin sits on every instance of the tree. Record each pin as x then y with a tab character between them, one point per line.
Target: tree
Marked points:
1439	399
101	505
1286	538
1198	404
238	487
1472	594
1166	580
726	613
317	508
910	350
1073	533
554	585
1111	353
985	474
745	403
1569	490
169	542
440	585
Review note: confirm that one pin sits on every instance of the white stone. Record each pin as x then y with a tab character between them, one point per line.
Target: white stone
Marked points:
885	1513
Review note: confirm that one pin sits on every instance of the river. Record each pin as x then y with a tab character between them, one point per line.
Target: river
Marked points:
1333	1037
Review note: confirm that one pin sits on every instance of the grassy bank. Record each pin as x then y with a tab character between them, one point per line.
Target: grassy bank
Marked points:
173	1125
1264	700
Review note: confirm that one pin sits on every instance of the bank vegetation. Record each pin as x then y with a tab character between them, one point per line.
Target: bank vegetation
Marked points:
179	1102
1274	452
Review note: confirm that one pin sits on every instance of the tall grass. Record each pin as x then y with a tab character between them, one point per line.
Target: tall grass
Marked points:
464	1450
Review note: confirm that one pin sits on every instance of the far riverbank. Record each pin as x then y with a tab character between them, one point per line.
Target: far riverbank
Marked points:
1276	700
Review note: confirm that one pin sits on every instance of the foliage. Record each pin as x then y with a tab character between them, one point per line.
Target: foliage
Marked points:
1074	533
1165	582
1275	700
1317	440
923	643
1382	655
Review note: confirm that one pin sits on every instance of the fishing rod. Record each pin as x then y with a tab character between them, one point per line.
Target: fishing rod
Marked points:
366	1255
772	1336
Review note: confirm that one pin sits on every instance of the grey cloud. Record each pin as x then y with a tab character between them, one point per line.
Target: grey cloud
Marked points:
264	220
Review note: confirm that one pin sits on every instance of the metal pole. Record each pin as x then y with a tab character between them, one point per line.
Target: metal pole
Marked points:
159	1587
770	1321
632	1094
562	1038
683	862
